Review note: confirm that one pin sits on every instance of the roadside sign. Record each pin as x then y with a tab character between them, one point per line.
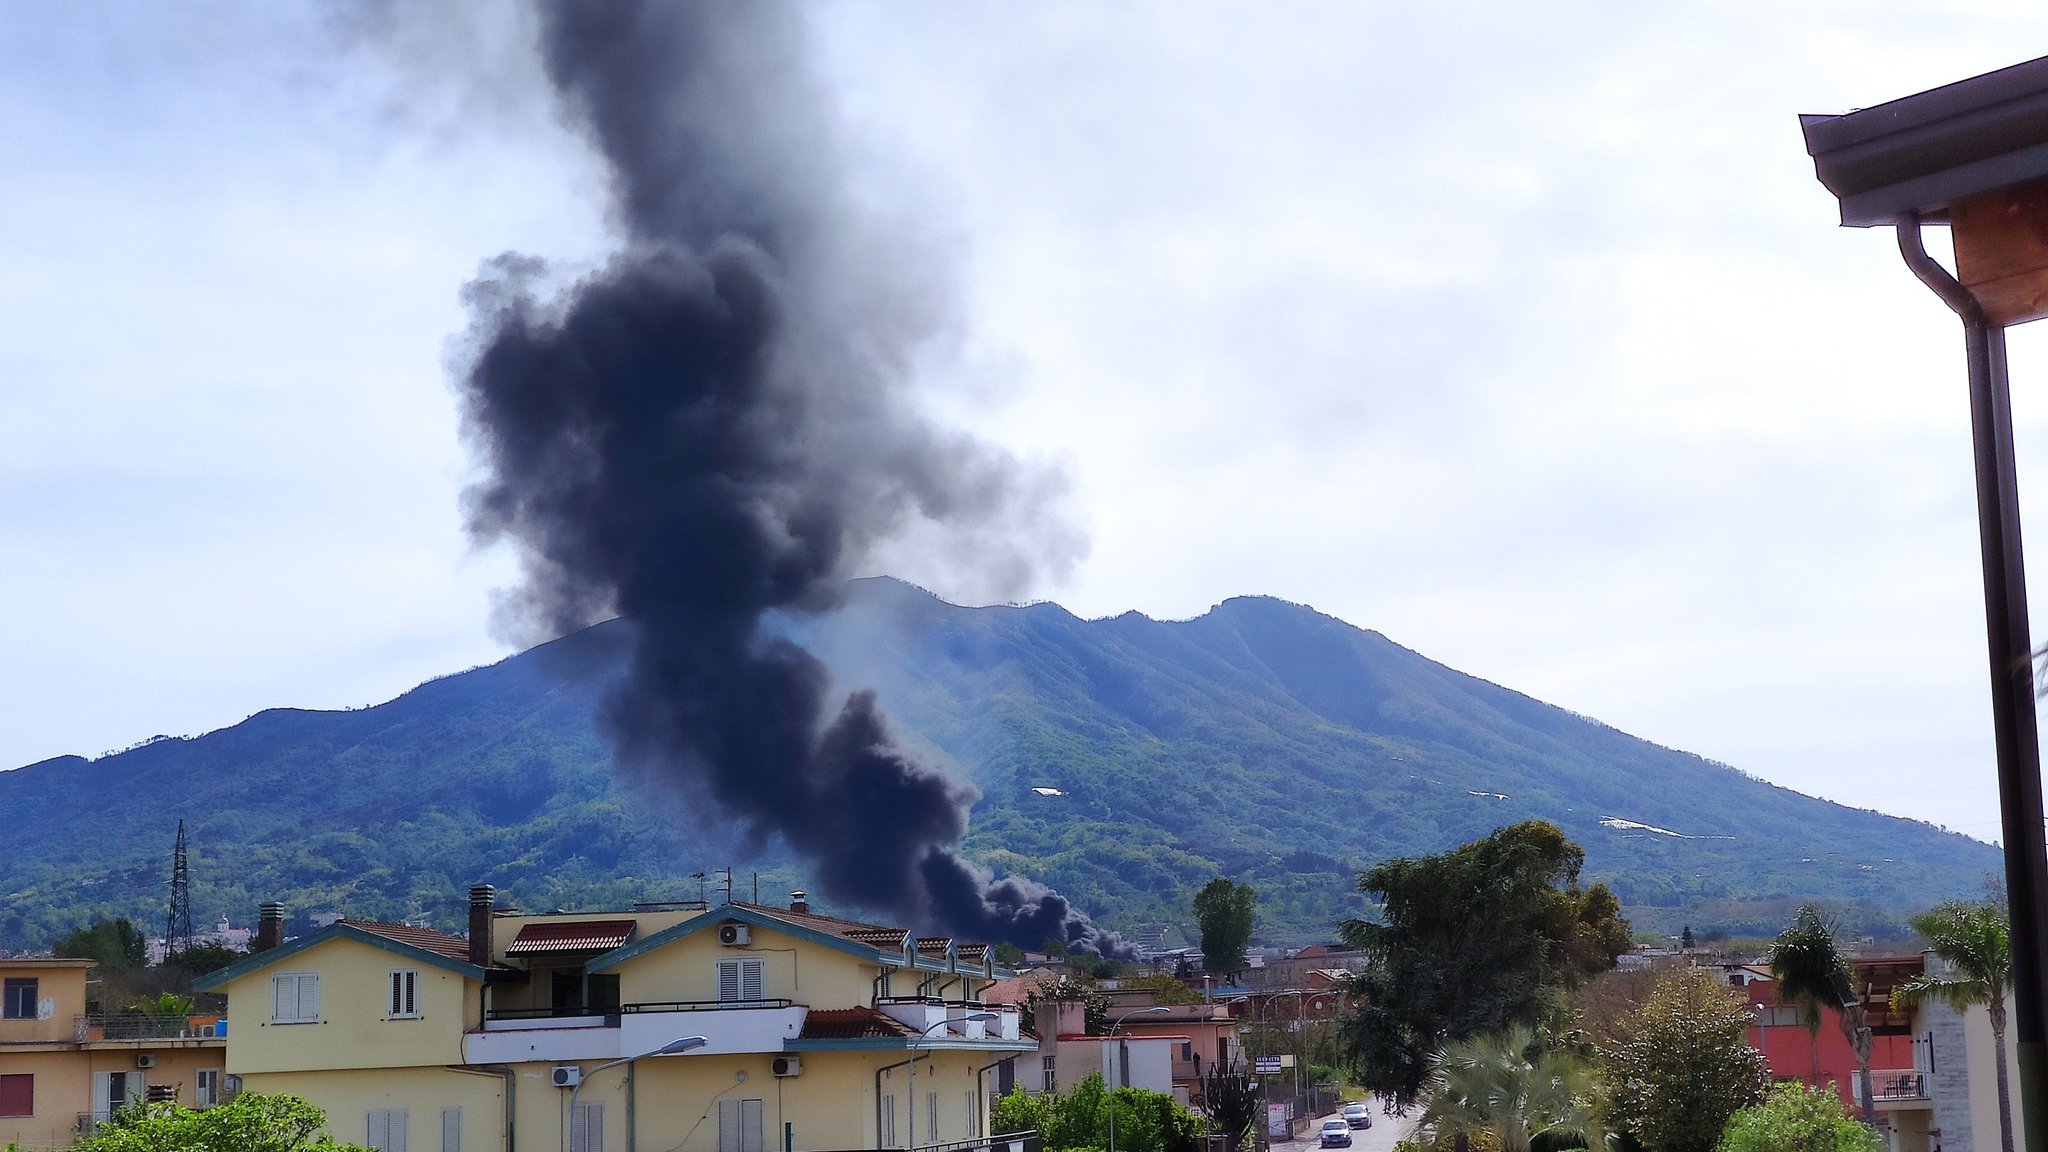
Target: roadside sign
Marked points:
1267	1065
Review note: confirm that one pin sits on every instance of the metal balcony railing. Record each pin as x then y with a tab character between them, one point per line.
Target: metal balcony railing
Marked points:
139	1026
1898	1085
585	1011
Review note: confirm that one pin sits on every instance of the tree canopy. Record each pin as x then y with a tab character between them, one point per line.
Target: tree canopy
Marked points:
251	1122
1225	911
1797	1117
1145	1121
115	944
1471	942
1513	1091
1684	1065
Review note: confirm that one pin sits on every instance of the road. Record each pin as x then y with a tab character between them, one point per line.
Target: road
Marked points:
1381	1137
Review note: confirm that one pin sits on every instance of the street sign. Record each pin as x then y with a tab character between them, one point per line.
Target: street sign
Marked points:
1267	1065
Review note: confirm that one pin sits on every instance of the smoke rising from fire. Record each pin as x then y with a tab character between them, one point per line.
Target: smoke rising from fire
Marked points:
714	428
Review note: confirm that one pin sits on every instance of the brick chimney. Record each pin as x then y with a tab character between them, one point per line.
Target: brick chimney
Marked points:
800	902
269	927
481	897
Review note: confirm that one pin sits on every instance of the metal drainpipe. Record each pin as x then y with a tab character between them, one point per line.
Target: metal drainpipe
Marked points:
981	1093
511	1077
878	1094
2024	840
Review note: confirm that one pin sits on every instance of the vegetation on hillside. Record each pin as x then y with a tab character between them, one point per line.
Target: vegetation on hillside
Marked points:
1262	742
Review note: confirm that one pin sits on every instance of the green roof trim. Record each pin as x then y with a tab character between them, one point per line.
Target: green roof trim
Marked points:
220	978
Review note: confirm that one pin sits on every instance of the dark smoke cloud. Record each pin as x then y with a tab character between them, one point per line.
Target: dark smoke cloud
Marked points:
713	429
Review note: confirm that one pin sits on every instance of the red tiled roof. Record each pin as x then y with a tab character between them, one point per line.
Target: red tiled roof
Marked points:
851	1024
872	935
936	944
426	939
570	936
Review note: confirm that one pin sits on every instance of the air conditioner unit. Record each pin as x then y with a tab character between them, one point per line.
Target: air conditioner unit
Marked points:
786	1066
568	1075
734	934
145	1060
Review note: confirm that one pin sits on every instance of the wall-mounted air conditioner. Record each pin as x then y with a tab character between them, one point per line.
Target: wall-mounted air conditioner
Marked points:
568	1075
144	1060
786	1066
734	934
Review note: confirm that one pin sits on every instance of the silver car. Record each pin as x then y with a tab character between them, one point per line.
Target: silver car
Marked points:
1357	1115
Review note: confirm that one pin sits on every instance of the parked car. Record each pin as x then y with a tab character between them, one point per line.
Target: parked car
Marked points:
1357	1115
1336	1134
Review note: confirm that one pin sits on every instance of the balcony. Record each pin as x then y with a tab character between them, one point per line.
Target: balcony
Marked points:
1897	1088
141	1026
924	1013
510	1036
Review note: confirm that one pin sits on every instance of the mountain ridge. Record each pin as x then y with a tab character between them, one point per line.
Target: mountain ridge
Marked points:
1261	739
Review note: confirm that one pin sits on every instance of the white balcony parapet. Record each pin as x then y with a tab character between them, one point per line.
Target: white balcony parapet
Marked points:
574	1039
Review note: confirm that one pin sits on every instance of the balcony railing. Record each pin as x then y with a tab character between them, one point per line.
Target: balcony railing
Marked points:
1897	1085
140	1026
586	1012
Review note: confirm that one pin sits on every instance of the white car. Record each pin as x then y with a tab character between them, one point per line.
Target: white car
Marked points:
1357	1115
1336	1134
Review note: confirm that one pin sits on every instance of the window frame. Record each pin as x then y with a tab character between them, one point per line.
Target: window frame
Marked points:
206	1085
586	1127
397	1137
12	989
299	1015
30	1077
402	990
741	967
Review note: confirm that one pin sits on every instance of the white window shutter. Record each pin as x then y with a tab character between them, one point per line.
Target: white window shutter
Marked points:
729	980
728	1126
888	1133
750	981
451	1130
380	1130
284	997
309	996
586	1128
750	1126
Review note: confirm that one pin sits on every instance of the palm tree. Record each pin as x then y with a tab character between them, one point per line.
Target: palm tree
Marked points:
1977	943
1811	972
1512	1088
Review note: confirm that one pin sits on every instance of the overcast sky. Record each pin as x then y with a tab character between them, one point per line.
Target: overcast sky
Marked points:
1521	334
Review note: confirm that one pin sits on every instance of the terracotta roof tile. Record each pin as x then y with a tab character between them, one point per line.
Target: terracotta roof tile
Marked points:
851	1024
570	936
936	944
426	939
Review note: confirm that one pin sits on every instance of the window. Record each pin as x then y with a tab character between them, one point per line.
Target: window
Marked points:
1187	1050
739	1124
206	1093
931	1111
405	991
1051	1080
451	1130
18	1002
112	1091
586	1128
888	1133
295	998
740	979
973	1115
387	1129
18	1094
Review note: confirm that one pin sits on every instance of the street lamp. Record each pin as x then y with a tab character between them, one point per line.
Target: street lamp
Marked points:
1122	1063
673	1048
922	1037
1974	154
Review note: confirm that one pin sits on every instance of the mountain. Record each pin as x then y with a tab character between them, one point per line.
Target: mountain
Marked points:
1125	761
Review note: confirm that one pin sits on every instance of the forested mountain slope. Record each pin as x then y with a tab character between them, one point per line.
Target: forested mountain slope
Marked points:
1262	741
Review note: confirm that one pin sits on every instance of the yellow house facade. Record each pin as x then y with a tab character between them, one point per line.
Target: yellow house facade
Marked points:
797	1031
63	1069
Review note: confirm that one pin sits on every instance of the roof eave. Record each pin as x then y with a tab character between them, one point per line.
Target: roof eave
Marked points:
220	978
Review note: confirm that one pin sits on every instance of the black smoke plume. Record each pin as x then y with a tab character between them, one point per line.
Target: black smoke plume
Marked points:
713	429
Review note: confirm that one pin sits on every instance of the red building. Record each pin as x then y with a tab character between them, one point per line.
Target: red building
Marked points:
1794	1054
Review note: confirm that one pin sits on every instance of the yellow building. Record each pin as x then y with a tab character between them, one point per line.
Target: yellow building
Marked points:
801	1031
61	1069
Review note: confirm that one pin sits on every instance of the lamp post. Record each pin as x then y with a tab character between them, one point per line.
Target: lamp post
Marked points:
922	1037
1121	1062
1974	154
673	1048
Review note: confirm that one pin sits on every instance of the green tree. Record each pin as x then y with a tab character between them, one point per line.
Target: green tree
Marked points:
1977	943
116	944
1684	1064
251	1122
1094	1002
1795	1118
1512	1091
1225	911
1811	972
1145	1121
1165	988
1471	942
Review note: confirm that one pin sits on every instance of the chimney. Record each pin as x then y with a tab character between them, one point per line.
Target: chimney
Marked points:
481	897
800	902
269	927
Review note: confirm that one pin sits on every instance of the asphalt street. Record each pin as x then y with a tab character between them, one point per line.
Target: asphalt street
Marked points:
1381	1137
